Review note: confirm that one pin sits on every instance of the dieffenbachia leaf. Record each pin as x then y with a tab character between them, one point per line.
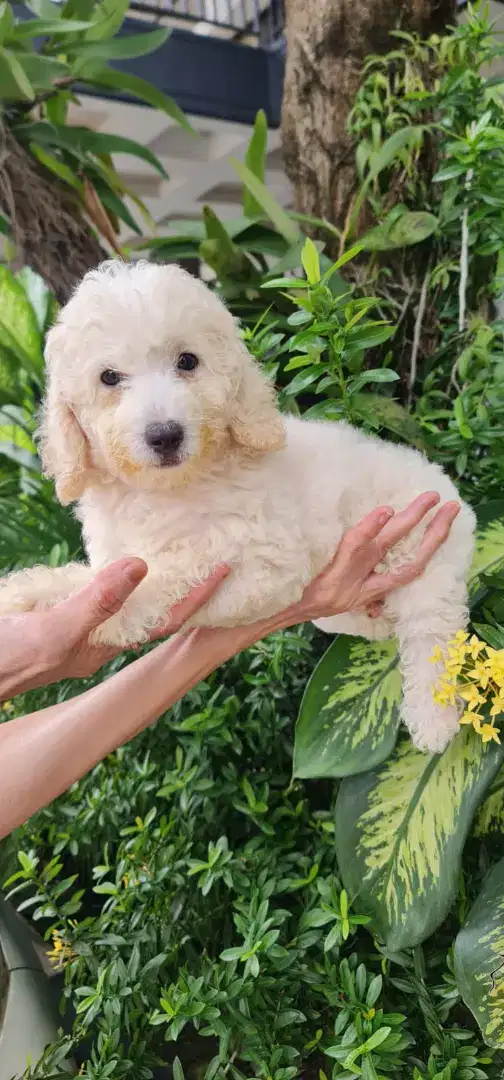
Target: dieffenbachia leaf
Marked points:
349	715
489	551
490	816
400	831
479	958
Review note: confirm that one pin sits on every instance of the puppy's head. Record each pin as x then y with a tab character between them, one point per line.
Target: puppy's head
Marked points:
147	377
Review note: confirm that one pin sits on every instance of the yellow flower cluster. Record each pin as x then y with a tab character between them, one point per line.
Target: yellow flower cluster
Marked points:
61	952
473	672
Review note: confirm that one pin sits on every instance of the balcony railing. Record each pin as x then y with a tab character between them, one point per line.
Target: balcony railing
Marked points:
253	22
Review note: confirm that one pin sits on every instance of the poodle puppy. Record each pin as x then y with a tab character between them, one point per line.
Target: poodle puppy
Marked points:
161	427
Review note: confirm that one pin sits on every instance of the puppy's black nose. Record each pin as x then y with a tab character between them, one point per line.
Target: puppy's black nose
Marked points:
164	439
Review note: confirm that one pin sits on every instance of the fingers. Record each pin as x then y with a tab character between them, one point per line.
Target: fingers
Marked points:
102	597
379	585
365	531
404	521
186	608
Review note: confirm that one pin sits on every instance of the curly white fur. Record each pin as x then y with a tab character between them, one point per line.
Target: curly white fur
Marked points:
270	497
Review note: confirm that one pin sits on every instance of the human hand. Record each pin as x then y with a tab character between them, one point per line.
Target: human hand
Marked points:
42	647
351	583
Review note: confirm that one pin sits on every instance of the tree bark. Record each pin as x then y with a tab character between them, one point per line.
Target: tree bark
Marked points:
48	224
327	42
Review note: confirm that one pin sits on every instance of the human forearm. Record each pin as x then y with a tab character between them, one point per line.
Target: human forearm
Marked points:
43	753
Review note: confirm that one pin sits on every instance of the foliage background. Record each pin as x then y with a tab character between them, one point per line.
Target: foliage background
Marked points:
224	898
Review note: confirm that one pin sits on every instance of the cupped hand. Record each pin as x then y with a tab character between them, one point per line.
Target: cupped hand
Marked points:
42	647
351	581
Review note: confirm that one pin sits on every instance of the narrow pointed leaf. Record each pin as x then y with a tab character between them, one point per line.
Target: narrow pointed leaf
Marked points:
349	715
286	227
140	88
255	160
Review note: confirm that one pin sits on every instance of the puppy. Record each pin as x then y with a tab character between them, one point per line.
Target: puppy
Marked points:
161	427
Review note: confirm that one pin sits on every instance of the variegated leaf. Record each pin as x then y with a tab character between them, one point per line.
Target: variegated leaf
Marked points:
489	551
400	831
490	816
349	715
479	959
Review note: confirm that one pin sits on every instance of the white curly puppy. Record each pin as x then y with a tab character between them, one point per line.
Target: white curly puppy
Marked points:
160	425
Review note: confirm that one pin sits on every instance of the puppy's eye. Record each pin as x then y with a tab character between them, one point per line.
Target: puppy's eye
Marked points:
187	361
110	378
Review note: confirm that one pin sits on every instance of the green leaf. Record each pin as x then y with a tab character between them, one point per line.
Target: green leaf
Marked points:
41	71
349	715
18	322
6	22
490	816
255	160
390	415
89	54
286	227
49	27
489	549
412	228
14	84
479	958
81	140
62	171
400	140
310	261
107	18
140	88
400	831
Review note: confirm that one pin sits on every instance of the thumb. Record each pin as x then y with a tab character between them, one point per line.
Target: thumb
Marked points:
102	597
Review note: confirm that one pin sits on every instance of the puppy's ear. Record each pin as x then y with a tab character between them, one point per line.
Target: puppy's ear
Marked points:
256	423
63	447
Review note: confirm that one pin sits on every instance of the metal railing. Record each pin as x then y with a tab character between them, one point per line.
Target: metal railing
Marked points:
260	20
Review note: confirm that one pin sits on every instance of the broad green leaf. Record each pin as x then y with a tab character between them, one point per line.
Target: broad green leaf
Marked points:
17	318
310	261
91	55
489	550
268	204
412	228
140	88
400	831
38	294
255	160
349	715
479	958
14	84
490	816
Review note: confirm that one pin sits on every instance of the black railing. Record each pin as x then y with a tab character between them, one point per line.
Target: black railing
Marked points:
258	21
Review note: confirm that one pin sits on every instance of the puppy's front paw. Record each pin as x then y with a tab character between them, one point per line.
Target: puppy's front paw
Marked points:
433	737
123	630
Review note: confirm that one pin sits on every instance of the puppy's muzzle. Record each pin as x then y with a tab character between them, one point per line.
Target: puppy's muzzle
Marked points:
166	441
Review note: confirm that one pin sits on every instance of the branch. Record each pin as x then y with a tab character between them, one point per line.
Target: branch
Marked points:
464	259
417	333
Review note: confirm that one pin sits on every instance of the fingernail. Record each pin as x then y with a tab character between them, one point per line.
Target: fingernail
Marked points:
432	496
222	571
387	513
135	570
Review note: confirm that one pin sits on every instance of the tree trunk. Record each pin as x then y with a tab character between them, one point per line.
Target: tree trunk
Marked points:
48	224
327	42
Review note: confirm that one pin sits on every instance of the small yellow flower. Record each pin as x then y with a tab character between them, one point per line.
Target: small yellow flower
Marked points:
475	647
472	695
437	655
488	732
460	637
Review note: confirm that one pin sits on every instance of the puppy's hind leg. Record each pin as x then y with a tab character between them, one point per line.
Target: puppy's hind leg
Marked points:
424	620
41	587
